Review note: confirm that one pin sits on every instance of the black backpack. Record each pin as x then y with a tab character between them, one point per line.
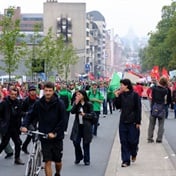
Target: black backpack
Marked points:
65	100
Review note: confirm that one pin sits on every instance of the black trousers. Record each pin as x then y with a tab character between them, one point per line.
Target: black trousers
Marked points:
15	136
26	142
66	120
79	153
95	126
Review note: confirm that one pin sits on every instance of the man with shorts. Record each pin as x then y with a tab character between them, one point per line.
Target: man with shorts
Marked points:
49	112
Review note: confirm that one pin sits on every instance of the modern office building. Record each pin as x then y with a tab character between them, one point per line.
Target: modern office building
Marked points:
68	19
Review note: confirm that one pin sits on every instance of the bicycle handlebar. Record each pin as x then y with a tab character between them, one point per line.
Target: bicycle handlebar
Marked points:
32	133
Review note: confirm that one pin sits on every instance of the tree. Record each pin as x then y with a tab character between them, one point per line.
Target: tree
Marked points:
12	46
65	56
58	61
69	58
47	52
33	61
161	49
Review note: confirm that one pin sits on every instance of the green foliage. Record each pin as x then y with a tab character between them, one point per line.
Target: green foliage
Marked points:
161	49
33	61
50	53
64	57
11	47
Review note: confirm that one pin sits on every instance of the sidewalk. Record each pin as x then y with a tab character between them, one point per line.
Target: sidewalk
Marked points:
153	158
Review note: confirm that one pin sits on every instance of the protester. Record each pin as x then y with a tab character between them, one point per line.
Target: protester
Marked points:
103	89
110	99
138	88
168	100
27	105
96	98
10	121
49	111
66	96
129	104
82	126
159	93
8	149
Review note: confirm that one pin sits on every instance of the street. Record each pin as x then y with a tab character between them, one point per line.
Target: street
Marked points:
100	150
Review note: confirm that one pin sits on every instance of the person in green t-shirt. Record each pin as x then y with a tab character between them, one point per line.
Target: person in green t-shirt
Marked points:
66	96
96	97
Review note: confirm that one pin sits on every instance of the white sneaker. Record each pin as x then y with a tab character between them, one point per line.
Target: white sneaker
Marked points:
65	132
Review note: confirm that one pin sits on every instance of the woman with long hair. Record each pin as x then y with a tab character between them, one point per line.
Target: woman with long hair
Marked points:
82	127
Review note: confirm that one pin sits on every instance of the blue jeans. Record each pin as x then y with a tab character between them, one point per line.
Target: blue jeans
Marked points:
105	108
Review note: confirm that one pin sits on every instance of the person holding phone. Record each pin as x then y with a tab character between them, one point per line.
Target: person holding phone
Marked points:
129	103
82	127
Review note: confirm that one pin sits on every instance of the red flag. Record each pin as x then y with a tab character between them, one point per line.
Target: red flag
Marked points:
165	73
155	72
91	76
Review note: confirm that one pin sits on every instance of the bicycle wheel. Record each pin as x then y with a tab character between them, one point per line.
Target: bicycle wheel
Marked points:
30	167
38	164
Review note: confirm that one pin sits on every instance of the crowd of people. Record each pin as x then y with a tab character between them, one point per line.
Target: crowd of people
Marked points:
47	107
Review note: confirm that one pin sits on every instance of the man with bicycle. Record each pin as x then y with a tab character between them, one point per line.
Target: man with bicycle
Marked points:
49	111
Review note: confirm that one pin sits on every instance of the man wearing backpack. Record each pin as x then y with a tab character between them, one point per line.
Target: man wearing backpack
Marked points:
66	96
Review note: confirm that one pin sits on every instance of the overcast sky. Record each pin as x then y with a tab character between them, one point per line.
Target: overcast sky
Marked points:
140	15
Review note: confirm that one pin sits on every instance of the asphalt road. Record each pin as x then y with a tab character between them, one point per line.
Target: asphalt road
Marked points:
100	148
99	152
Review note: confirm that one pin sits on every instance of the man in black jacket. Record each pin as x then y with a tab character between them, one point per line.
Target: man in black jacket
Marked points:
27	105
129	103
49	111
10	122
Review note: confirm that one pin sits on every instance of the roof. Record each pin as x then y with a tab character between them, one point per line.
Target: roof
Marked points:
96	16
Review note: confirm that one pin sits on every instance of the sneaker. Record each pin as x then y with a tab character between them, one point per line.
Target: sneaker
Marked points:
18	161
57	174
9	155
125	164
66	132
87	163
150	140
158	141
77	161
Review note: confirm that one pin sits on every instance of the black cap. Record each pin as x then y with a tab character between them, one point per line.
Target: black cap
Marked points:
32	87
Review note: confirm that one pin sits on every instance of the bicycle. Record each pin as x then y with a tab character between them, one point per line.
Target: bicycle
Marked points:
34	163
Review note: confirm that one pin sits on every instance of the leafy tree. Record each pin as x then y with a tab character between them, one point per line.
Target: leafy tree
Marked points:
11	46
161	49
33	61
64	57
59	48
69	58
47	52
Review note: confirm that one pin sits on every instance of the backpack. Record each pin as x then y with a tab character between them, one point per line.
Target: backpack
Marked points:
65	100
158	111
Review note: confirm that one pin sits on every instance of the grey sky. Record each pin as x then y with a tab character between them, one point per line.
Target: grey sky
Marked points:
141	15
